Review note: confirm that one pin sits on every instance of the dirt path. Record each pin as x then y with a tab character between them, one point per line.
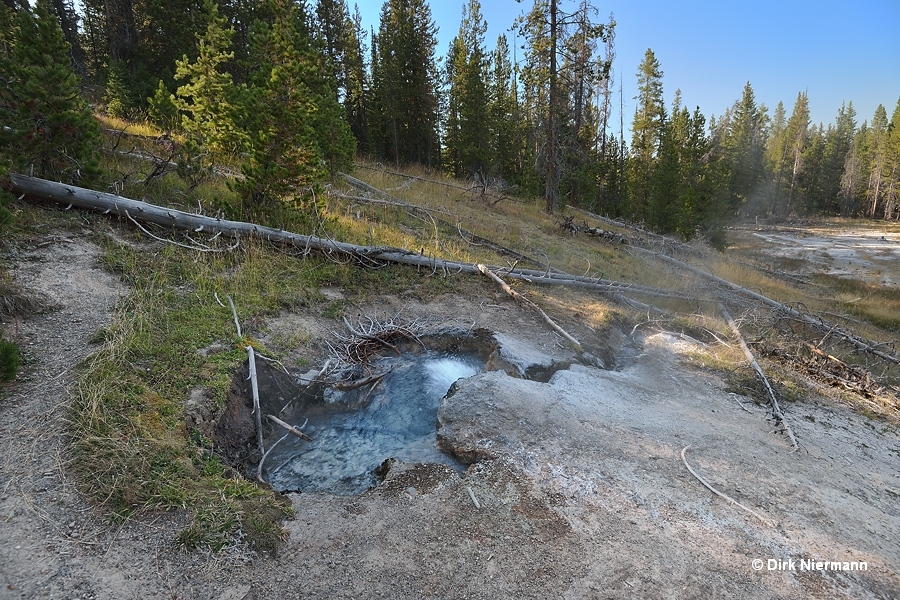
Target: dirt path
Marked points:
589	500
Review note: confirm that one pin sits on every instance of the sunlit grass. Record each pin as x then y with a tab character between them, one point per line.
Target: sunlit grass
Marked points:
141	128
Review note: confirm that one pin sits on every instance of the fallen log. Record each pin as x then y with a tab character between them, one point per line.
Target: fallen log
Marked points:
773	399
111	204
522	299
817	323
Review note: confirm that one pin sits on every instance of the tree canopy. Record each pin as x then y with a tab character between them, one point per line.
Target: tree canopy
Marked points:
291	91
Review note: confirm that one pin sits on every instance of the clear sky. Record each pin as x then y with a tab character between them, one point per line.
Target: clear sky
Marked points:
835	50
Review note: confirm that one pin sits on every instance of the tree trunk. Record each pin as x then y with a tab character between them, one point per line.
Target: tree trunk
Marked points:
69	195
69	23
550	188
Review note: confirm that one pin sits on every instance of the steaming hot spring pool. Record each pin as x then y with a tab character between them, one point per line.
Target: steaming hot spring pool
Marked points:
397	420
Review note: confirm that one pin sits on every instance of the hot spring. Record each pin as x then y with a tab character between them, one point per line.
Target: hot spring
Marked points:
358	430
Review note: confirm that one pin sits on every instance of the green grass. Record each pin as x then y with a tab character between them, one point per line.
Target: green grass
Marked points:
132	449
877	304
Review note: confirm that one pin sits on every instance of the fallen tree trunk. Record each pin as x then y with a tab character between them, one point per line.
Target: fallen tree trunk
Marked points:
69	196
817	323
773	399
520	298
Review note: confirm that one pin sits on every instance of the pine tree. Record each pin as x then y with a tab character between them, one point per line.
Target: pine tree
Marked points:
838	144
357	85
892	151
49	130
647	130
582	74
507	129
876	144
791	165
208	100
405	84
534	75
300	138
744	145
468	124
775	156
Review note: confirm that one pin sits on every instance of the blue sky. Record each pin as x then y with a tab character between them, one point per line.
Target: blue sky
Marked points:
836	51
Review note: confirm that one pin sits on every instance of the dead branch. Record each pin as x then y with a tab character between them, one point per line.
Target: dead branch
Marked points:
289	428
196	246
259	469
773	400
720	494
345	386
522	299
353	352
254	388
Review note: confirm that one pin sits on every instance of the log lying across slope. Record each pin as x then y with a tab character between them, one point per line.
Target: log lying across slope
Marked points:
69	195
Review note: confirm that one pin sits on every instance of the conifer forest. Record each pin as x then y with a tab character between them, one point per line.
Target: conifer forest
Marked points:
288	93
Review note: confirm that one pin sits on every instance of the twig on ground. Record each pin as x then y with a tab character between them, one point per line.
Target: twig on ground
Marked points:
472	496
720	494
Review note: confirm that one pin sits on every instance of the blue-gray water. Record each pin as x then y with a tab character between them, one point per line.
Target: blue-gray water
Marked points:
398	421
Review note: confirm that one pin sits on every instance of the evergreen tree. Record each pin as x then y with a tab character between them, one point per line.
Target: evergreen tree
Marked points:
661	202
838	144
468	125
877	146
810	180
357	85
892	151
534	76
775	156
744	146
405	84
300	137
335	31
647	131
791	167
452	119
208	100
582	75
507	142
851	196
49	130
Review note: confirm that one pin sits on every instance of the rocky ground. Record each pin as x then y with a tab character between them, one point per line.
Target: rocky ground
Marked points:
580	490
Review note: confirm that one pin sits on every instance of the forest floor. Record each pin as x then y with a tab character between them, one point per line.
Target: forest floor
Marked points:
588	496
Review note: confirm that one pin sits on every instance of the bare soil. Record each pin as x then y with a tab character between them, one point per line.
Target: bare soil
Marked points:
863	253
586	495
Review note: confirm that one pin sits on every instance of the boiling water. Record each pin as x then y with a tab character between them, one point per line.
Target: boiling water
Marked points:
397	420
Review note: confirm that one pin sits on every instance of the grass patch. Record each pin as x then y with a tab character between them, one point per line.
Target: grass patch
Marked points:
10	359
878	305
132	450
